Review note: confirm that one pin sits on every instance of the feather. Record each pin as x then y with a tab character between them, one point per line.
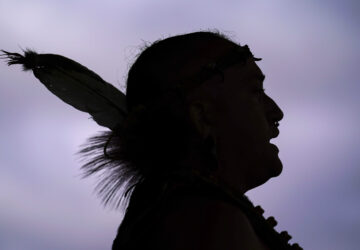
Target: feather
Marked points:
75	84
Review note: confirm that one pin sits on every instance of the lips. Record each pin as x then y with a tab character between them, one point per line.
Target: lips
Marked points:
274	133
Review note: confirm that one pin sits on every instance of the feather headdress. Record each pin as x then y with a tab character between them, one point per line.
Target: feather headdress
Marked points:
88	92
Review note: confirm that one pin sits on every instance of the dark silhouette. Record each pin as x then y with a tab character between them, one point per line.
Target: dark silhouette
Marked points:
193	139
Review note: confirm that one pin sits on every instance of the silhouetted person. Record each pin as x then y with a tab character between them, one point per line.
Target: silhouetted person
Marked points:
195	139
199	107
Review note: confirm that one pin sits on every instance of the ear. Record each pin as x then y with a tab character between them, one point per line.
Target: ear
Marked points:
202	117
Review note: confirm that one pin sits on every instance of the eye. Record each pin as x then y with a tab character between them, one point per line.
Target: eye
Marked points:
259	92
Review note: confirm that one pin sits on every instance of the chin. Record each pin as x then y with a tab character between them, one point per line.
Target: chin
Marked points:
272	163
276	169
272	169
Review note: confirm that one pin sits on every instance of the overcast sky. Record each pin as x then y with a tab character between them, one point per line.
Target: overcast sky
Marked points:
310	51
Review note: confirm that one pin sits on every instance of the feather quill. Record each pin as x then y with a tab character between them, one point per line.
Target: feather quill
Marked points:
75	84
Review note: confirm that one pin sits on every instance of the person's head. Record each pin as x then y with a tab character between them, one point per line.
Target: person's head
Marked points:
183	92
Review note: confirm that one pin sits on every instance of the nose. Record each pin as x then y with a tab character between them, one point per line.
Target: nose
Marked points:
273	111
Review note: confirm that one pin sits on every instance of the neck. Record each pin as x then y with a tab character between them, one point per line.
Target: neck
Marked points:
210	168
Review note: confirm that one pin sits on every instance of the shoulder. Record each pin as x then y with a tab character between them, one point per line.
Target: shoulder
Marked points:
202	223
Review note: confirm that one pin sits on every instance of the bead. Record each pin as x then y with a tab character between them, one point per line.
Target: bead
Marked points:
271	220
259	210
285	235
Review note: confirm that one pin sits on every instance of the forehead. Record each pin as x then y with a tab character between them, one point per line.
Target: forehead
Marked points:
248	71
223	59
242	60
237	75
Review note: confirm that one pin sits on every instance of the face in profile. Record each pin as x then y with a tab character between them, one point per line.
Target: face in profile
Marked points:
246	121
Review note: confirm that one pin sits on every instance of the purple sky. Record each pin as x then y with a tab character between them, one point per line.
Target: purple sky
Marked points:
310	57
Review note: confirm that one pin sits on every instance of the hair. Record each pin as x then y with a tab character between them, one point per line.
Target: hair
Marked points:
157	133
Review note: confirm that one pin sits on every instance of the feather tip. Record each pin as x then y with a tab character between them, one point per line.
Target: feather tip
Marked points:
28	60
